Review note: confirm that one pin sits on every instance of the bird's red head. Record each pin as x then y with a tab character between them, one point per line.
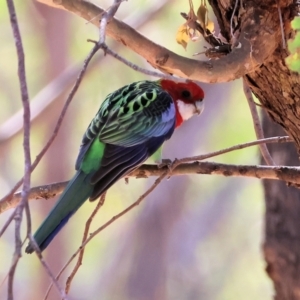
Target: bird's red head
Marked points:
187	96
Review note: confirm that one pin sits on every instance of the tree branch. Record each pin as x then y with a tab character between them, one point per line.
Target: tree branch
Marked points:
291	175
52	190
18	213
257	126
84	238
279	139
256	43
54	281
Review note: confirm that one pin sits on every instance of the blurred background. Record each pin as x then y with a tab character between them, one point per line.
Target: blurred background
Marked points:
194	237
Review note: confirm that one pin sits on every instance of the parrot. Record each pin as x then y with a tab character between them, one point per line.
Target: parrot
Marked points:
131	124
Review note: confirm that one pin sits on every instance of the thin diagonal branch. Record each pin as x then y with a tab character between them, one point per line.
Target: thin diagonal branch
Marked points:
231	19
280	139
113	219
105	18
8	197
281	25
85	235
257	126
47	268
139	69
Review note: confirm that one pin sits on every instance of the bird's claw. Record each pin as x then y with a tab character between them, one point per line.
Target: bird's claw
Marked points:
165	163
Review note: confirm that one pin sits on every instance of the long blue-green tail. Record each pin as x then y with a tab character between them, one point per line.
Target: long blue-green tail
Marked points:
75	194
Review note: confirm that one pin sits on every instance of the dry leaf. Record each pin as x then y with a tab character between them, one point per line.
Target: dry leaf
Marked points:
182	36
203	19
188	31
210	25
202	15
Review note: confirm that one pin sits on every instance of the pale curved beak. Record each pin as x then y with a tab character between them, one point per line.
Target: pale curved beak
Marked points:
199	106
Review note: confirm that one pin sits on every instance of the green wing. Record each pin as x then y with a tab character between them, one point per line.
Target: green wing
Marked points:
130	116
130	126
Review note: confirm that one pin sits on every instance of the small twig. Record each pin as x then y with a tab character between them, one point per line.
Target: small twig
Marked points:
139	69
279	139
105	18
26	145
133	66
47	268
11	217
85	235
281	26
257	126
113	219
11	273
231	19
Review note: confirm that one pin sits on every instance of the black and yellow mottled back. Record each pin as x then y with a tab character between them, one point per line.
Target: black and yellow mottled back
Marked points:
131	124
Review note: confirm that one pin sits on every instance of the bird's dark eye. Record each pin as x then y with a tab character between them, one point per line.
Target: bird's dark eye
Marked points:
185	94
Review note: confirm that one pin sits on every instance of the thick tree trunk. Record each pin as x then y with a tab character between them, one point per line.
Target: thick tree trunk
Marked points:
282	234
278	90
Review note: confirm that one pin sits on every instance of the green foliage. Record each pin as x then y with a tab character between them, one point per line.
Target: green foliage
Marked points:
293	60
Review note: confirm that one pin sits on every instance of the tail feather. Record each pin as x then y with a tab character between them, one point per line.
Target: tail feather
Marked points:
75	194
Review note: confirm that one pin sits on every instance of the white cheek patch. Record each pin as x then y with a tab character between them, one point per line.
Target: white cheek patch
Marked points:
187	110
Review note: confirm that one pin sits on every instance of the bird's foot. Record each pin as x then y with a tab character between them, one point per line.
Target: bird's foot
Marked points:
164	163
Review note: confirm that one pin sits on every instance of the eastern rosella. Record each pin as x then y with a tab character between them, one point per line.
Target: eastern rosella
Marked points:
131	124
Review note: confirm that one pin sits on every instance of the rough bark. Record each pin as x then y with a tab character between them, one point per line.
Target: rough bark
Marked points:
276	87
282	223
